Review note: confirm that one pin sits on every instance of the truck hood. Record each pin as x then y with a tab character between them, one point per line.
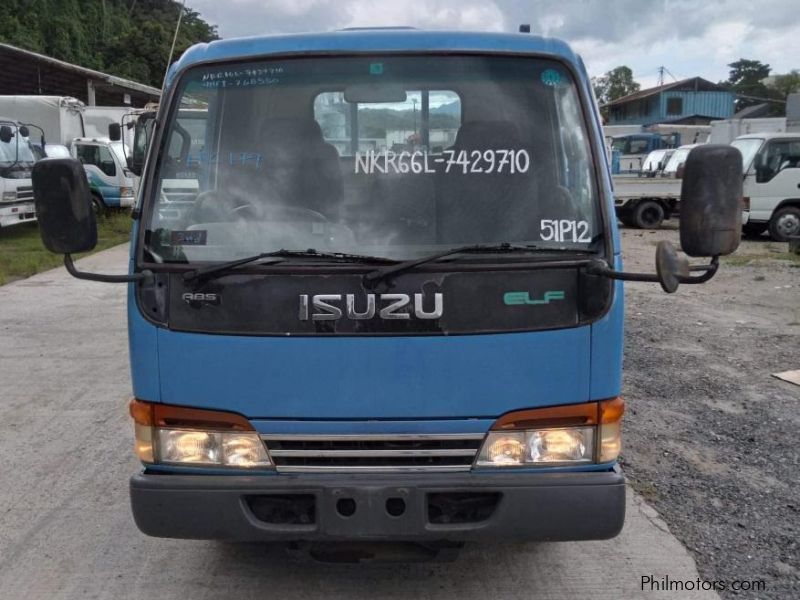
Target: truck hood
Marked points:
415	377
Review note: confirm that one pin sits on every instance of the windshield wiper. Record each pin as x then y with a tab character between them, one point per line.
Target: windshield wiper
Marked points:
280	255
373	277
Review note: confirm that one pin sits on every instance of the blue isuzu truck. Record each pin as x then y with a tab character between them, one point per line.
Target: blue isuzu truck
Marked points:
393	308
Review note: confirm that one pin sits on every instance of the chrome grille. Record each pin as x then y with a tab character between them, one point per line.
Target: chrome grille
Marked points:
380	453
25	194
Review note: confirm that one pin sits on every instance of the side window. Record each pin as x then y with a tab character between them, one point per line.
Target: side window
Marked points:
638	146
775	157
87	154
674	106
107	164
426	119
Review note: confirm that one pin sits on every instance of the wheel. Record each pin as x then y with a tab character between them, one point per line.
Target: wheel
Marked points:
753	229
98	205
785	223
648	214
625	219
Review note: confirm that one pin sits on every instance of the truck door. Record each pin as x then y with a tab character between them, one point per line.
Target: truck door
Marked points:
775	177
101	170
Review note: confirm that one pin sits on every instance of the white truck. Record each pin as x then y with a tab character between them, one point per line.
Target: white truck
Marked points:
771	183
67	121
17	156
645	202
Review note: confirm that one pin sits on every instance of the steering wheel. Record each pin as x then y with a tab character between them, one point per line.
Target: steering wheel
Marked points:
213	206
289	213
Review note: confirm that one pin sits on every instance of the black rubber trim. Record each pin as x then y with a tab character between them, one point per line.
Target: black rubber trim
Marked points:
533	506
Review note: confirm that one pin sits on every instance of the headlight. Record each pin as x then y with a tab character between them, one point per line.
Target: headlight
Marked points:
125	192
183	436
538	446
9	196
561	435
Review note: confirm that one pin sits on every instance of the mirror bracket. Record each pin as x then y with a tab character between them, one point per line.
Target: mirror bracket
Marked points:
145	275
601	269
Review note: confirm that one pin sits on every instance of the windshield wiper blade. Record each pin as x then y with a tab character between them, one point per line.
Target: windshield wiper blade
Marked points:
342	256
220	268
373	277
280	255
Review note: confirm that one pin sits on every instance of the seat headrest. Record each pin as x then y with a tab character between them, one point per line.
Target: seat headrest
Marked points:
487	134
288	130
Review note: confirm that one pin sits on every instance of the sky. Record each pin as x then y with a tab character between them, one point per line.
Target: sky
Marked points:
688	37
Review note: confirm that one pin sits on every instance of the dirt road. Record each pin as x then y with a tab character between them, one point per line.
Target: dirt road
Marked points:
66	530
711	436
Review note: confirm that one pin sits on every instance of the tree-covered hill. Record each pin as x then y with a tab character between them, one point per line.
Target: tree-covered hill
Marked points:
129	38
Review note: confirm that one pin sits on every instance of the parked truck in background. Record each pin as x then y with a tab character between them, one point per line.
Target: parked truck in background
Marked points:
771	183
83	130
17	157
630	148
392	340
645	202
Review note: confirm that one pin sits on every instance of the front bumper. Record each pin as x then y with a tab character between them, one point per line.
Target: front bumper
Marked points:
15	213
527	506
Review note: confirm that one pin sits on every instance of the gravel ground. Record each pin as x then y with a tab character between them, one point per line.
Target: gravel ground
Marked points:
711	435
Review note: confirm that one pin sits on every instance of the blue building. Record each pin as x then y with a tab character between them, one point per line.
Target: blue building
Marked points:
694	101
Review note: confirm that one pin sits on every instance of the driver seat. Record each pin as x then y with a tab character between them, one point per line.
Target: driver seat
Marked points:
300	169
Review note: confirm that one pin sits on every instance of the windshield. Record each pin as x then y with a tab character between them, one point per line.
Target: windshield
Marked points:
677	159
119	152
18	149
748	147
392	157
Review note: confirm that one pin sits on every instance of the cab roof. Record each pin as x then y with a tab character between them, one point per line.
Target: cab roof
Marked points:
768	136
374	40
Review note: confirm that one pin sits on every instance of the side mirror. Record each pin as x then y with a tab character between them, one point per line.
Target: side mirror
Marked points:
129	162
64	206
680	170
6	133
66	217
114	132
711	201
141	138
24	131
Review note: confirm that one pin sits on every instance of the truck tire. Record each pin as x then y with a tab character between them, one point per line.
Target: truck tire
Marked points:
754	229
648	214
98	205
785	223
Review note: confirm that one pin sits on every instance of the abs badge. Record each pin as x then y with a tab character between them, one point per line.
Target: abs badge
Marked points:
517	298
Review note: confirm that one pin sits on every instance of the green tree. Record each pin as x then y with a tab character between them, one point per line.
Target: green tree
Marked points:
612	85
786	84
746	80
129	38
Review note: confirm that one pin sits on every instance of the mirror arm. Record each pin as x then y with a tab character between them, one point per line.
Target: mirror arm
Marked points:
144	275
600	268
709	271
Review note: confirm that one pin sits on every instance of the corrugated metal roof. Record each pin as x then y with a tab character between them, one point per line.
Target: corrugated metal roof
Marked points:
89	73
690	84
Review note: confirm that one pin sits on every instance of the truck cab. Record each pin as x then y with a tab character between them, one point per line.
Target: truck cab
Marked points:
630	150
17	157
106	169
392	309
772	183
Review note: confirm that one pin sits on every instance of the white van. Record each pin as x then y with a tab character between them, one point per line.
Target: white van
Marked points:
771	183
